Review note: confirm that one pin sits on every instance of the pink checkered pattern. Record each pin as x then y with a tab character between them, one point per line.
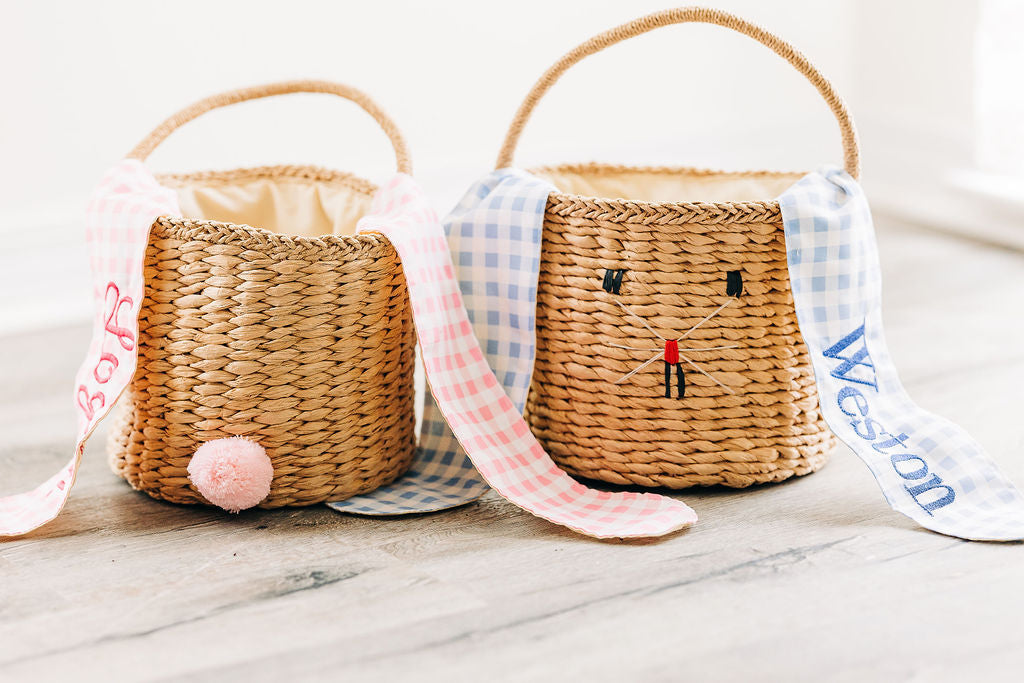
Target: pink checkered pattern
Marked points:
118	221
492	432
482	417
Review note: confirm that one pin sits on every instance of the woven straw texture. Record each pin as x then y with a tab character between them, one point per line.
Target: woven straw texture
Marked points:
305	345
749	414
675	258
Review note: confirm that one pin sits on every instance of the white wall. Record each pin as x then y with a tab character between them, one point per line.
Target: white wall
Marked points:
83	82
939	104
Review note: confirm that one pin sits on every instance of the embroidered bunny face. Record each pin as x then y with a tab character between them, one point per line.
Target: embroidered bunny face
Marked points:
668	349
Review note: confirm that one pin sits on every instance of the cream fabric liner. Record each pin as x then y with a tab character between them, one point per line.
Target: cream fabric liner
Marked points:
668	185
289	206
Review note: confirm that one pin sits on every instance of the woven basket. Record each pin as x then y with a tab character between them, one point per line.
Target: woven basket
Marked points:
298	340
623	280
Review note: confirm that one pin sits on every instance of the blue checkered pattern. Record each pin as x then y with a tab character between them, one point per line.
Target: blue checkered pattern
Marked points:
927	467
494	235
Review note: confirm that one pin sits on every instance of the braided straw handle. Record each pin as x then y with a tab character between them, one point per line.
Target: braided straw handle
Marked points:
682	15
146	147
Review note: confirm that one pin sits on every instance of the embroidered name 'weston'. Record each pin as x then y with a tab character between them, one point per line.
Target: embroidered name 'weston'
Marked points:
856	367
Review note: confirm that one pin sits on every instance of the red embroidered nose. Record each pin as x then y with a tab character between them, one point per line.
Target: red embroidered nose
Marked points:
671	351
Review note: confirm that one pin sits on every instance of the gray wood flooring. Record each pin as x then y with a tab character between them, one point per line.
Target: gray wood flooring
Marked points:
815	579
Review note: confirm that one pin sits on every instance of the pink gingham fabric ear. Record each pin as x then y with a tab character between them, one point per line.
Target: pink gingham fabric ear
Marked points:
483	418
493	433
118	220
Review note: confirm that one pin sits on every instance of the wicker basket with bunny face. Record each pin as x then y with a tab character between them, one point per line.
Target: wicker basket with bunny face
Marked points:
668	351
266	317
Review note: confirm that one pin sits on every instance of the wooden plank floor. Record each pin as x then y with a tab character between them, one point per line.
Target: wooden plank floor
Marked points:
814	579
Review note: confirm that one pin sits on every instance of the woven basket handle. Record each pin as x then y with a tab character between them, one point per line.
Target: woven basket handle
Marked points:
146	147
684	15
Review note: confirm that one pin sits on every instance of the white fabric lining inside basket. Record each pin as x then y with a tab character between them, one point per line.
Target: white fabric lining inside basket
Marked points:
667	185
286	205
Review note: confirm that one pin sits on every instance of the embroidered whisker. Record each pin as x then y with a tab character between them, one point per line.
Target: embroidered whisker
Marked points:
694	366
672	354
710	348
709	317
638	368
642	321
628	348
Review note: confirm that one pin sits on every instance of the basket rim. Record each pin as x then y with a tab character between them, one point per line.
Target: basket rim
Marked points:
623	210
251	236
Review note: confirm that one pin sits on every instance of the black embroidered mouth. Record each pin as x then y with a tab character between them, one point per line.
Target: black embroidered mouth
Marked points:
672	355
672	358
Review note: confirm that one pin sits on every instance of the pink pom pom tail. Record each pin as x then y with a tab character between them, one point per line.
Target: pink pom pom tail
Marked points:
232	473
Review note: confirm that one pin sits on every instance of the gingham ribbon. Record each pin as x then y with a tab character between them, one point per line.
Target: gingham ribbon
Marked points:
468	395
482	417
494	239
118	219
928	468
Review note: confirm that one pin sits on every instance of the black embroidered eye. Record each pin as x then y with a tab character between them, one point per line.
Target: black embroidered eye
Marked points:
734	283
612	281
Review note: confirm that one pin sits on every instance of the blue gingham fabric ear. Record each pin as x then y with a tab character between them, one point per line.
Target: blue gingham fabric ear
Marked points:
494	235
928	468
